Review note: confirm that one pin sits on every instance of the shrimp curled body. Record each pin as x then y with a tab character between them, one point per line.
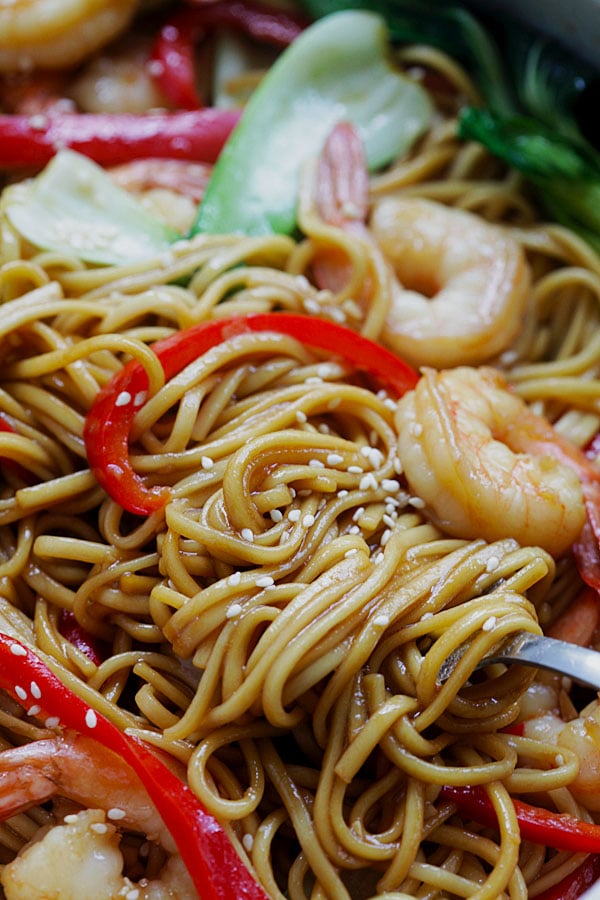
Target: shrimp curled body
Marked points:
485	465
87	842
462	284
54	35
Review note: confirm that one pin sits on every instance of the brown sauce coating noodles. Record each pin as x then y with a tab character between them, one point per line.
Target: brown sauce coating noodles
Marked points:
280	626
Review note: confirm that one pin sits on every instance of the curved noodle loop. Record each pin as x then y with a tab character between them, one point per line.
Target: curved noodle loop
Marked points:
279	627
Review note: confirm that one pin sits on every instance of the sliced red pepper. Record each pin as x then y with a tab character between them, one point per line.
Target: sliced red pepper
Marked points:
91	645
173	55
111	139
538	825
216	868
108	423
576	883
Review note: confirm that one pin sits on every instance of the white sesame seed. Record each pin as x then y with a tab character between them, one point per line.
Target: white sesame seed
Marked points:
52	722
355	470
416	429
333	404
234	578
265	581
489	624
20	692
398	467
343	493
559	759
350	552
325	370
34	710
492	564
389	520
207	462
374	456
248	841
18	650
368	482
140	398
337	314
385	537
39	122
35	690
123	399
301	416
115	813
99	827
133	894
91	719
248	535
334	459
70	818
233	610
358	513
308	520
276	515
294	515
323	428
390	485
378	558
316	464
417	502
390	404
311	306
382	621
354	529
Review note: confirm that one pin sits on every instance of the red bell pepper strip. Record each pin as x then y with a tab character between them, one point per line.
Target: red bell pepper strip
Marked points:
574	885
111	139
91	645
215	867
108	423
172	59
538	825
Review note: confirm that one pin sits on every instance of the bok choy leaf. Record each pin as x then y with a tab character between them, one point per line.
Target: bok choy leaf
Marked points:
338	69
532	88
73	206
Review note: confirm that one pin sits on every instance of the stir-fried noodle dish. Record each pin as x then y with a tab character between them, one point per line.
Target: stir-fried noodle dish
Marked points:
288	421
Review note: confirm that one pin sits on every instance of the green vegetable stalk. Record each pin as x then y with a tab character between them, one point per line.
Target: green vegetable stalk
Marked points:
338	69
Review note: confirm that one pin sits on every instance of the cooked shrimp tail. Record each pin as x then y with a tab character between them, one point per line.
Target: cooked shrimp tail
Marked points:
341	195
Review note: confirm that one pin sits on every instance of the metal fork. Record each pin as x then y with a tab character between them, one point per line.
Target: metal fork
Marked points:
579	663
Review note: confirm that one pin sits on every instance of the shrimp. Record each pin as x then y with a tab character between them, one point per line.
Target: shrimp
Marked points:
581	736
486	466
461	286
81	770
170	188
458	286
55	35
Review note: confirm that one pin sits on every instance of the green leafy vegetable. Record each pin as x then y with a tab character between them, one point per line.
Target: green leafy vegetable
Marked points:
338	69
447	26
531	86
567	175
73	205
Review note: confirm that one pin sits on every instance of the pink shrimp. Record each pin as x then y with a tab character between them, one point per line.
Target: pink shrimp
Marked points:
458	286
